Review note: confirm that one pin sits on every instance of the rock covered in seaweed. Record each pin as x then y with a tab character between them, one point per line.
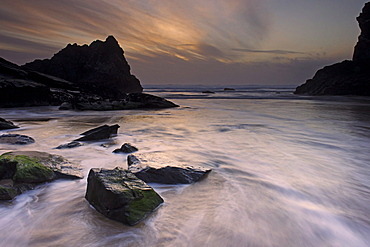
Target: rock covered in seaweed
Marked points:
121	196
157	168
26	169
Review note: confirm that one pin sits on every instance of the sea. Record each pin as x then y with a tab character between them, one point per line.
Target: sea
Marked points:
287	170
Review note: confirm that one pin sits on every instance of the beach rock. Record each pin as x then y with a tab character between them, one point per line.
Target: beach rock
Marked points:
128	102
121	196
7	191
61	167
350	77
27	169
99	133
16	139
229	89
4	124
157	168
207	91
72	144
126	148
99	68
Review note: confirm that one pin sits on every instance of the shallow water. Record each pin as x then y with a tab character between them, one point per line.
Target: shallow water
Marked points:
287	171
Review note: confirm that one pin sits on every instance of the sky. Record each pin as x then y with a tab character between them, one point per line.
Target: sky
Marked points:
192	42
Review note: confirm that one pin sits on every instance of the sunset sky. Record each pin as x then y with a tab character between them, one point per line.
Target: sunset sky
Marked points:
219	42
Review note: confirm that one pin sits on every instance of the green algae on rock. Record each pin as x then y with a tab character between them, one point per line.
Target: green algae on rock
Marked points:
26	169
119	195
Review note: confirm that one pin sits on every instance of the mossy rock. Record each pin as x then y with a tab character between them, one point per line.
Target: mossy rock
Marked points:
8	193
28	170
121	196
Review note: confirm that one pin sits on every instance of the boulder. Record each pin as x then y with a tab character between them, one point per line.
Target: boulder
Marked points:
26	169
4	124
126	148
99	68
350	77
99	133
16	139
157	168
121	196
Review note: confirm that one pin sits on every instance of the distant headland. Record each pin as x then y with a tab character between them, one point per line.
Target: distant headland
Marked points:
87	77
350	77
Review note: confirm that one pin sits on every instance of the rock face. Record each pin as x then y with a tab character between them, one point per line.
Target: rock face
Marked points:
121	196
5	124
157	168
23	170
99	68
16	139
348	77
21	87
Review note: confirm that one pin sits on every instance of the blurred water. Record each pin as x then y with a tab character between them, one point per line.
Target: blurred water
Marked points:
287	171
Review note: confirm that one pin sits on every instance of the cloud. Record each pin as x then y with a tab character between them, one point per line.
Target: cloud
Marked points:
146	27
276	52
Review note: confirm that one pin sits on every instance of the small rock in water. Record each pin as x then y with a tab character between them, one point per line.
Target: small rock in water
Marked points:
72	144
16	139
157	168
119	195
99	133
126	148
207	91
5	124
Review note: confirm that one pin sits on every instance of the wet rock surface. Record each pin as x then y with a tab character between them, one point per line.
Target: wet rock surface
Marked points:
23	170
99	133
6	124
121	196
126	148
157	168
16	139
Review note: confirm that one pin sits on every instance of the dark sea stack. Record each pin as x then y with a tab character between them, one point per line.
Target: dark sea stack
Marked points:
119	195
350	77
99	68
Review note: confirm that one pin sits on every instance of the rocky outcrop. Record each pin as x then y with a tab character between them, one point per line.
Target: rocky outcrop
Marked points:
121	196
23	170
5	124
21	87
99	68
16	139
99	133
351	77
157	168
72	144
126	148
128	102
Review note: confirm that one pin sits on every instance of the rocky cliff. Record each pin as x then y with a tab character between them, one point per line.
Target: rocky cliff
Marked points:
351	77
99	68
